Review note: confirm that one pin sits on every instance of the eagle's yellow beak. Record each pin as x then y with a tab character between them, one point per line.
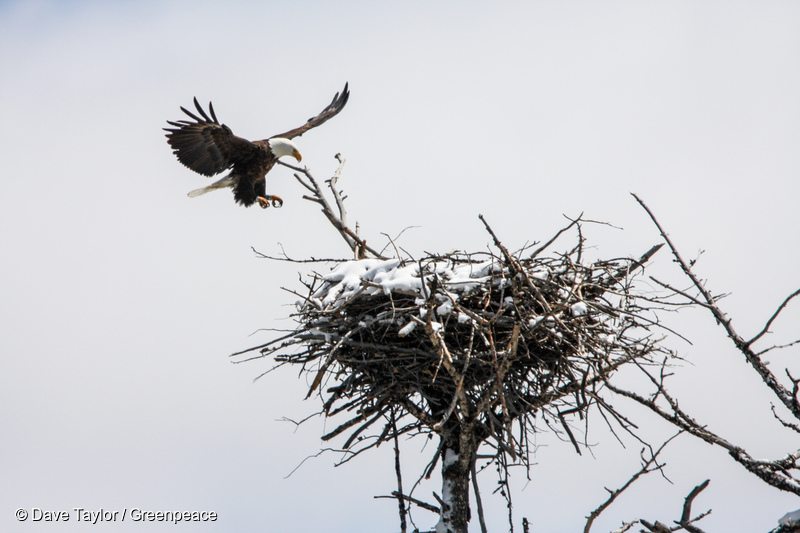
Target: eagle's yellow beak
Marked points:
296	155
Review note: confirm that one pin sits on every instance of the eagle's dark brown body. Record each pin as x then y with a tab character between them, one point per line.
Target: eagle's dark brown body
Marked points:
208	147
255	164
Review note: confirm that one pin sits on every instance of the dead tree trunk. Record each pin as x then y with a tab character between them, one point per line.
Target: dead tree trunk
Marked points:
458	453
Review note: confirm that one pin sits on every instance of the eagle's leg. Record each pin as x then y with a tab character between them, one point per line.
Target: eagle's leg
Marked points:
270	200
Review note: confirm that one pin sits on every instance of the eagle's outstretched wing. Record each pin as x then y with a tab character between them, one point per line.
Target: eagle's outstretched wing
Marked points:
336	105
206	146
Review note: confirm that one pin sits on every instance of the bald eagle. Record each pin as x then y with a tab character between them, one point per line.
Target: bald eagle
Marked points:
208	147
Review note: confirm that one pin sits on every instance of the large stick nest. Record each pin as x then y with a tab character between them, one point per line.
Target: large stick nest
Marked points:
485	337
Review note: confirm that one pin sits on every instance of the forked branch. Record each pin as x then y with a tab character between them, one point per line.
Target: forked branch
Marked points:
338	218
709	302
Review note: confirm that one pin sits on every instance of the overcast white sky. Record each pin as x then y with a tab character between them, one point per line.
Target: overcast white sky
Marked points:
120	297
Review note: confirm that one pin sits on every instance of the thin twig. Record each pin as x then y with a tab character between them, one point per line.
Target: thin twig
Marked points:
614	494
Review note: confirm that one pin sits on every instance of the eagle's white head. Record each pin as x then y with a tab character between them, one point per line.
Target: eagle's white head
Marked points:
282	147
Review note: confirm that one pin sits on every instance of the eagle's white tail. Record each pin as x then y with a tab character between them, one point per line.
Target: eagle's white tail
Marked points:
198	192
227	181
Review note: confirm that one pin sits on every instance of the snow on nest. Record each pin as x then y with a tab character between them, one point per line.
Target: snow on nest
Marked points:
579	309
373	276
790	519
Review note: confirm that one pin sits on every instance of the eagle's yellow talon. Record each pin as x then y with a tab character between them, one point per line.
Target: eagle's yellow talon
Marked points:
270	200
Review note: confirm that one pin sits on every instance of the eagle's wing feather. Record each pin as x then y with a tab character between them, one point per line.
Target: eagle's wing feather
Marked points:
332	109
206	146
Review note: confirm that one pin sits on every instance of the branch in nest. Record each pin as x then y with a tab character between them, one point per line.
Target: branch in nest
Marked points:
284	257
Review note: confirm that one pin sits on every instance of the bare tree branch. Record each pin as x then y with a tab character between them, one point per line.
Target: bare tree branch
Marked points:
773	317
783	395
648	465
303	175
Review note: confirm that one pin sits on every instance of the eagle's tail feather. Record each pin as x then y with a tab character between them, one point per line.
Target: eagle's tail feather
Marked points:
227	181
202	190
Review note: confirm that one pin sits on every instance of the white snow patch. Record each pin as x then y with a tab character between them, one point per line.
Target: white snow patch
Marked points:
445	309
790	519
440	527
579	309
474	270
468	276
574	277
533	322
399	278
450	458
317	333
540	274
408	328
347	278
375	276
